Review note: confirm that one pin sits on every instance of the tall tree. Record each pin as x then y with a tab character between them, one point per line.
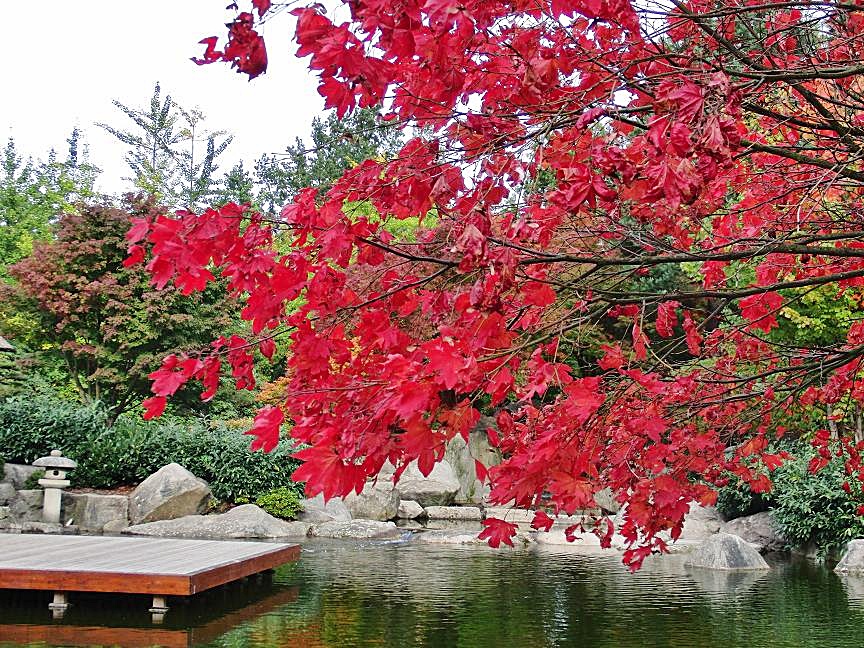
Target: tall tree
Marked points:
162	151
34	192
198	168
676	135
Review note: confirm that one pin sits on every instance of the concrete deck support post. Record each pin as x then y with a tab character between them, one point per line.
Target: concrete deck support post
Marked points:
159	608
59	605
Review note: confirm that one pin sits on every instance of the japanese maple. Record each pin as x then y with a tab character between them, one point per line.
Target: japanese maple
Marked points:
565	150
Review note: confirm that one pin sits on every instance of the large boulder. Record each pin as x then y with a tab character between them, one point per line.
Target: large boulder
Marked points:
700	523
27	505
316	510
758	529
247	521
171	492
378	500
439	488
852	561
461	456
17	474
605	499
7	493
357	530
726	551
92	511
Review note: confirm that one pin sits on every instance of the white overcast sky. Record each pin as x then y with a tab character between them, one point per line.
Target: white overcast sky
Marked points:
66	60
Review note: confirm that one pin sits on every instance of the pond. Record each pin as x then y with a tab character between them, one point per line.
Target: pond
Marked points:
389	595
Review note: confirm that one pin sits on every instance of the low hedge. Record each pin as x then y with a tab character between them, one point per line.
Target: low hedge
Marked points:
130	450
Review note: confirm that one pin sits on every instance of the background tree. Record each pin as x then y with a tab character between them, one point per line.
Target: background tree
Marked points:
336	145
162	154
106	323
33	192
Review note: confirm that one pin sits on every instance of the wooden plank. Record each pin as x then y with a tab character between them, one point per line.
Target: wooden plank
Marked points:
132	565
226	573
93	581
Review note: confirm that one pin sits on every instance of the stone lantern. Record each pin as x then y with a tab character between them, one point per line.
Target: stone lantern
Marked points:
56	466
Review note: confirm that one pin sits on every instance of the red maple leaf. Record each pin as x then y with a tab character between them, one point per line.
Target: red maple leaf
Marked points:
266	428
497	531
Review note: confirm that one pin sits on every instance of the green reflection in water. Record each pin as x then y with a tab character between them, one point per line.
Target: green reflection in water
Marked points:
442	597
392	595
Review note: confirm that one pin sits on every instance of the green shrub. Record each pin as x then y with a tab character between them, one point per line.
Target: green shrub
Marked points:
32	480
132	449
737	500
815	508
282	502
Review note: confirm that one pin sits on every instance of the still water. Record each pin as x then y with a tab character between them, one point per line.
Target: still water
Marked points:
395	595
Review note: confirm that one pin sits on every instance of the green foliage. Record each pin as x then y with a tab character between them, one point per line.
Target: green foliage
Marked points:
33	193
105	322
32	481
237	186
815	508
337	145
282	502
12	376
130	450
737	500
815	317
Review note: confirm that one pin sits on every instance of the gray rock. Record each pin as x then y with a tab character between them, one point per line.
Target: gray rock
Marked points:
5	513
465	537
700	523
356	530
585	542
758	529
247	521
115	526
379	500
7	493
449	536
409	510
453	513
31	526
510	514
726	551
461	456
171	492
315	510
17	474
605	499
852	561
438	489
92	511
27	505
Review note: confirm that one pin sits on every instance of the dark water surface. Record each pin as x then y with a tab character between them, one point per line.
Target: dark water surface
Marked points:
395	595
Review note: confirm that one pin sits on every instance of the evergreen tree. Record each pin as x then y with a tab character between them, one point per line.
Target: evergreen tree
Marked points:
162	151
337	144
33	193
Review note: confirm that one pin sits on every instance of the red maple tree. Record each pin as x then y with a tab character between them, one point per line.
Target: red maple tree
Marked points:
565	149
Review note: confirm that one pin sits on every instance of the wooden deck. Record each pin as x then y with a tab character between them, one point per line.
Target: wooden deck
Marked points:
157	566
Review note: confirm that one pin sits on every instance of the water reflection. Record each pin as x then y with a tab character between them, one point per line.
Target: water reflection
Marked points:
391	595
